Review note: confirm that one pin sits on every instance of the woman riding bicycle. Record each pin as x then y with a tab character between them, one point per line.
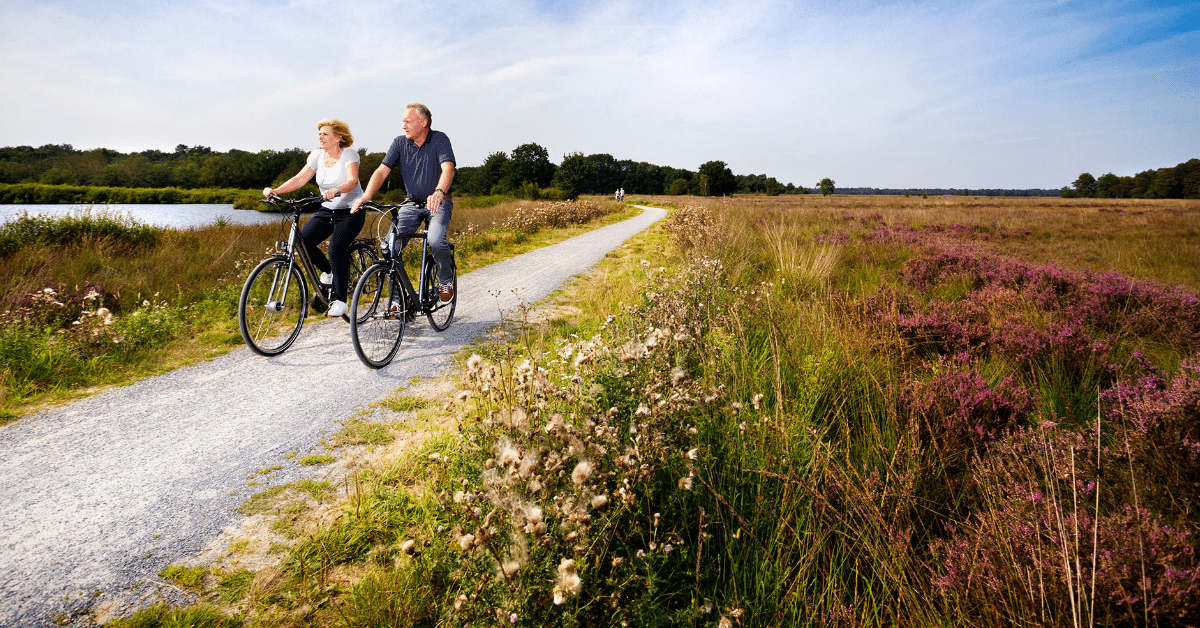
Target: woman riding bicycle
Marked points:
335	168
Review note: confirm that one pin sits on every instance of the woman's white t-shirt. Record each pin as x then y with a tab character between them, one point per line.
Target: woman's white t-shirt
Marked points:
334	176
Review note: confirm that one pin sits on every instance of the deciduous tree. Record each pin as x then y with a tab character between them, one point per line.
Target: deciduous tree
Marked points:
1085	185
574	174
720	179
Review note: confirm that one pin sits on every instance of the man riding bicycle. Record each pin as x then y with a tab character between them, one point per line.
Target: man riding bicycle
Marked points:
426	162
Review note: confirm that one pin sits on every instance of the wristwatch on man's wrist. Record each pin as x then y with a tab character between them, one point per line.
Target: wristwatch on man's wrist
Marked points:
440	191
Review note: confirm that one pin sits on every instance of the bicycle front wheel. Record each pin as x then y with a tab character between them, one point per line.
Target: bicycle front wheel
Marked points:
439	312
272	307
377	313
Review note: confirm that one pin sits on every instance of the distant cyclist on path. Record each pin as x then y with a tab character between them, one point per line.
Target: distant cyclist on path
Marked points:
426	162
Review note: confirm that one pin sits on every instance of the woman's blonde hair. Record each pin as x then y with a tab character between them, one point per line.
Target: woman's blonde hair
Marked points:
340	129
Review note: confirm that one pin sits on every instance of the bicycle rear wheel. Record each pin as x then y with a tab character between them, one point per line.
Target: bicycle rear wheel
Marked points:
377	313
362	255
272	307
440	313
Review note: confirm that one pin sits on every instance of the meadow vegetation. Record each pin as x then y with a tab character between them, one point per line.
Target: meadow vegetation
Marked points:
796	411
806	412
95	298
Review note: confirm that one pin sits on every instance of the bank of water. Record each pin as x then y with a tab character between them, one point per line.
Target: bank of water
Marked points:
169	216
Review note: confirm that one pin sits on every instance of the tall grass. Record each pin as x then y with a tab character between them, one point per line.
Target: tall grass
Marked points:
808	413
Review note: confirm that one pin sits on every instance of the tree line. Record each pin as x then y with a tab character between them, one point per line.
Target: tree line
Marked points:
1182	181
525	171
528	166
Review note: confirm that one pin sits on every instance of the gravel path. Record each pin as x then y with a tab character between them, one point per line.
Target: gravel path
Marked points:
99	495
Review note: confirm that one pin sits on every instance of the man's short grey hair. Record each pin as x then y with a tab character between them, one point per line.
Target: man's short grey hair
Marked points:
423	111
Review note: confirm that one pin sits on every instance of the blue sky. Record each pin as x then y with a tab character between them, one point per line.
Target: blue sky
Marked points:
950	94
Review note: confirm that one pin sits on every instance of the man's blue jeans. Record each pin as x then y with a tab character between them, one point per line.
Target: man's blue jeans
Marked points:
409	218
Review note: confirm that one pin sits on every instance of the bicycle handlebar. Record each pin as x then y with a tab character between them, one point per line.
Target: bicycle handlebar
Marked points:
276	199
294	205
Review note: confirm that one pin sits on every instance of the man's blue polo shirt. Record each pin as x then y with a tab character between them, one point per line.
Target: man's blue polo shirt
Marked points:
420	166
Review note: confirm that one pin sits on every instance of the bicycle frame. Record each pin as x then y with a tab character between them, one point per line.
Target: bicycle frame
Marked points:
410	293
396	258
290	250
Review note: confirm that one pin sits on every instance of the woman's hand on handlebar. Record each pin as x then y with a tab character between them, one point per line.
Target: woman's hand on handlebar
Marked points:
268	192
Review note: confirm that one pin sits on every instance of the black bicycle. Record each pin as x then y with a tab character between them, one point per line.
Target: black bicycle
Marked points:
276	298
384	298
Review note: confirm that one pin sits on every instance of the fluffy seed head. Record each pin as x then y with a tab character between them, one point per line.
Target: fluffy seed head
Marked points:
582	472
474	362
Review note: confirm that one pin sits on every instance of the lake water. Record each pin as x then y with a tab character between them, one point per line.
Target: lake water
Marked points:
170	216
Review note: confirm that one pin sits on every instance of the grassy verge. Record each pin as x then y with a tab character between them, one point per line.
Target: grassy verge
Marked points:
92	300
804	412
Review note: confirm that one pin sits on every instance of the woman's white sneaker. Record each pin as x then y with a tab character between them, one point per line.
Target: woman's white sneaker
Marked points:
326	278
337	308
